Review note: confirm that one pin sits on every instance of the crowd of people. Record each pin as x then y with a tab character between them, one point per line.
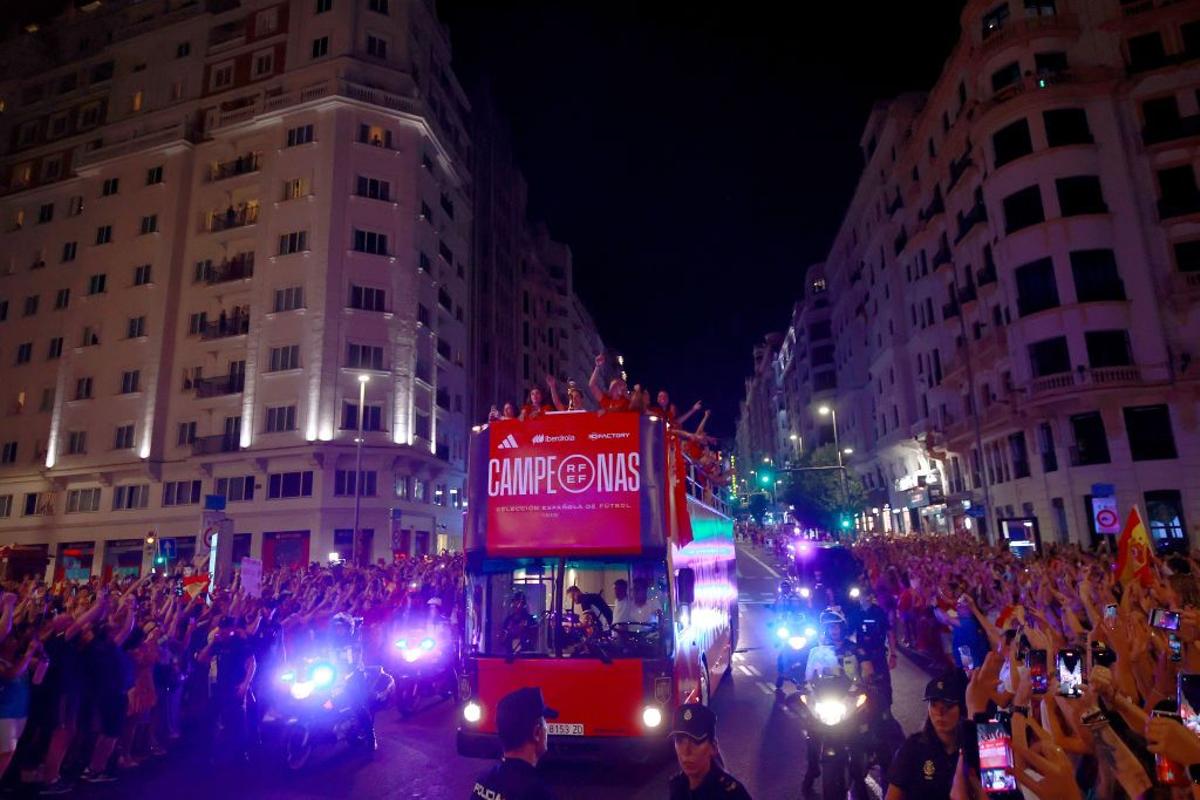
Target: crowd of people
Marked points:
97	677
617	396
1085	670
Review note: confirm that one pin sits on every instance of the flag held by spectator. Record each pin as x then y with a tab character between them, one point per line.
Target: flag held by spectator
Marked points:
195	585
1135	553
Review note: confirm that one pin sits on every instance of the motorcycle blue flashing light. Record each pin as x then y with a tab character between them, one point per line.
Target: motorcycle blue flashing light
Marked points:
427	643
322	675
782	632
288	676
402	644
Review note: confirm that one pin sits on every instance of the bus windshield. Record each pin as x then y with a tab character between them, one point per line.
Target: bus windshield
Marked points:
570	608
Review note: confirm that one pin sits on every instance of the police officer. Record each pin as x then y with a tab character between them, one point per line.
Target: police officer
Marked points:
694	733
521	723
924	765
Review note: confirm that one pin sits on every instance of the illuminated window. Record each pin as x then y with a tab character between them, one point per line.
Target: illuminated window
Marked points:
135	103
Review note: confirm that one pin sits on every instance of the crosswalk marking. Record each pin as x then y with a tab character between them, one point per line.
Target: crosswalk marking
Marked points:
766	687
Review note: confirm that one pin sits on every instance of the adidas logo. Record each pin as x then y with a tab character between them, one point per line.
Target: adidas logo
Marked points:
508	442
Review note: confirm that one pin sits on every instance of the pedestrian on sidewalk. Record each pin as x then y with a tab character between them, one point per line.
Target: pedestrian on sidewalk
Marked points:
521	723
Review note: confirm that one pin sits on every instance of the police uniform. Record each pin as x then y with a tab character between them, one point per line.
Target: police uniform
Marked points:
699	723
514	778
922	767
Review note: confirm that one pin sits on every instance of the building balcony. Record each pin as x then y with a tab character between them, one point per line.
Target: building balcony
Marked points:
1149	64
1083	379
216	387
942	257
242	165
967	294
935	207
230	218
1023	27
901	241
1169	207
986	275
977	215
950	310
896	204
1179	128
209	445
237	268
959	167
1185	290
235	324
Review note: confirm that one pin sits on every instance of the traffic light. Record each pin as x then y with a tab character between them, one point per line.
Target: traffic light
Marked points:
765	477
845	522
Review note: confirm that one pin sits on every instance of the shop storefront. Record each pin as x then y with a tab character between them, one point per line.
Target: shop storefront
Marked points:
283	550
74	562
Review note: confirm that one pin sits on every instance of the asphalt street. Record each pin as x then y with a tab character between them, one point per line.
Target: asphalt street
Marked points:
760	740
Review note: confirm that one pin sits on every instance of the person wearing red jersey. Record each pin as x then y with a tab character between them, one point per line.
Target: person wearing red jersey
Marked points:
617	396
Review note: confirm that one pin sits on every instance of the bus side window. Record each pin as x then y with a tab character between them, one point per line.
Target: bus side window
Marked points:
685	585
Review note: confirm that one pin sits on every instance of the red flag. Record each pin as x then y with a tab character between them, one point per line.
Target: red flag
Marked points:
196	584
1135	553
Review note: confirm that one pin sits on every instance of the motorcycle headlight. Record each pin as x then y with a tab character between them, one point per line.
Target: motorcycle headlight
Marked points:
428	643
797	642
412	655
302	689
805	592
402	644
472	712
830	712
322	675
862	698
855	592
782	632
810	632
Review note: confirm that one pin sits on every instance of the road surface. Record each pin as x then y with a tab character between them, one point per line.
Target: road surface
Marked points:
761	742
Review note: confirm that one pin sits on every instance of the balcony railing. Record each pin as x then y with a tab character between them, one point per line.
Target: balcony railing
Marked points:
221	443
1169	131
986	275
936	206
975	216
1084	378
1036	25
242	165
236	324
237	268
216	387
1169	207
230	218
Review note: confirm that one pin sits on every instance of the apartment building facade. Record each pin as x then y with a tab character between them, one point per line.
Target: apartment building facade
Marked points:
222	221
1015	288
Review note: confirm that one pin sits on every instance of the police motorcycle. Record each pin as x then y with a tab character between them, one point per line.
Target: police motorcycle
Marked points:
794	632
425	662
324	699
834	706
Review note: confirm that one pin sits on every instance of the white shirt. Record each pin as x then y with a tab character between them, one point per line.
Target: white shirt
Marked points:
645	614
824	659
621	609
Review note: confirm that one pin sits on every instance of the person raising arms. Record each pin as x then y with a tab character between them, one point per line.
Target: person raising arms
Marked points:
617	396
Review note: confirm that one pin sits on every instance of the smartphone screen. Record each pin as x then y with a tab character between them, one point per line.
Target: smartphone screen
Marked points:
1189	701
1037	663
1110	611
1166	771
995	757
1176	647
1070	672
1102	656
1164	619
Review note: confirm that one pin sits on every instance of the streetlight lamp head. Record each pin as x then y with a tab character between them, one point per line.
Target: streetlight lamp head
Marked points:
364	378
766	460
849	451
793	437
823	410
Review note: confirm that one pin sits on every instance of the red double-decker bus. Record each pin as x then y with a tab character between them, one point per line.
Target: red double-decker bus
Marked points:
579	499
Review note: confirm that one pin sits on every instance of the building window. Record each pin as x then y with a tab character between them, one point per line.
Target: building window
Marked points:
372	417
24	352
1008	75
323	6
1149	432
370	242
127	498
83	500
56	348
1049	65
1036	287
31	305
110	187
45	213
264	64
266	22
374	188
1080	194
69	250
1096	276
197	323
154	175
293	242
1178	193
187	433
1067	126
1012	142
343	483
235	490
104	234
281	485
368	299
376	46
183	49
1108	349
130	381
76	443
1146	52
294	189
362	356
181	493
8	453
150	224
1187	256
375	135
1045	435
1023	208
1091	440
123	438
97	283
91	336
286	357
378	6
289	299
141	275
320	47
1019	455
1164	514
83	388
302	134
5	505
281	419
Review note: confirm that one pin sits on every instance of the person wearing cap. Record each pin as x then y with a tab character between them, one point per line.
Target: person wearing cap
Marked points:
925	764
521	725
694	734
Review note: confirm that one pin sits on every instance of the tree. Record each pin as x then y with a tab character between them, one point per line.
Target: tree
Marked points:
818	495
758	505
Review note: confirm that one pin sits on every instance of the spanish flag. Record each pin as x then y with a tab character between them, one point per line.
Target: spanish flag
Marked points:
196	585
1135	553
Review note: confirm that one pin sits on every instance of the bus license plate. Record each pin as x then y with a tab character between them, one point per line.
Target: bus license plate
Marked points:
565	728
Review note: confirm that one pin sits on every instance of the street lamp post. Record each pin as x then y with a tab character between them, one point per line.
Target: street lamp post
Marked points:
832	412
362	400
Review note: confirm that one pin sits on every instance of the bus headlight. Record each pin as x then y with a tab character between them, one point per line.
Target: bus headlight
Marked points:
472	712
651	716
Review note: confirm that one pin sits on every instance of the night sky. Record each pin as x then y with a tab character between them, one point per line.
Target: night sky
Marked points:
696	157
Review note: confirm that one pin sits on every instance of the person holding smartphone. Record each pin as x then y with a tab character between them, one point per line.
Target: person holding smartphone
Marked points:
925	764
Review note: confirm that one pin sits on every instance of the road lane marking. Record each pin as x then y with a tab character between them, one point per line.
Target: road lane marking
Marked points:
753	669
875	788
766	687
762	563
742	668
